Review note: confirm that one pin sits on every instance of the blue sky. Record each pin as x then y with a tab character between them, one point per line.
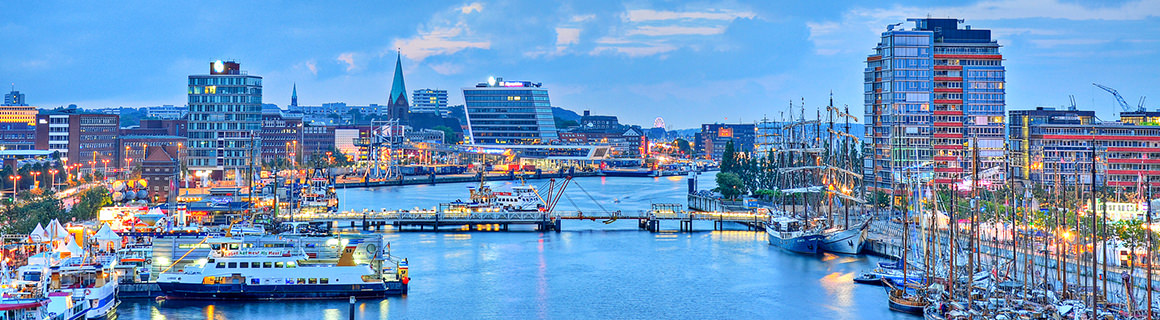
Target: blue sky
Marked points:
689	62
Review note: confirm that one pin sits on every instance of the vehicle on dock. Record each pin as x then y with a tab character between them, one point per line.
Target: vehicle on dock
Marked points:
249	273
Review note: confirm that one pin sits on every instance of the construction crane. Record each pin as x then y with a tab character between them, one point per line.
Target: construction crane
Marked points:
1120	99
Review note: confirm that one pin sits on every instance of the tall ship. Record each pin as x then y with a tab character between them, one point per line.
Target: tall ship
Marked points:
242	272
817	179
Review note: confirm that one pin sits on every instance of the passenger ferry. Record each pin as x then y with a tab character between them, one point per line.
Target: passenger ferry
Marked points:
27	297
282	273
520	198
76	287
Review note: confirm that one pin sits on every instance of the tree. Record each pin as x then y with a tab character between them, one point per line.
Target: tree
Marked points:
684	146
450	136
729	158
90	203
729	185
564	124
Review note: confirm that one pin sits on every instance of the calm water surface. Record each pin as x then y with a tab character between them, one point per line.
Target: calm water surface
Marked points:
591	270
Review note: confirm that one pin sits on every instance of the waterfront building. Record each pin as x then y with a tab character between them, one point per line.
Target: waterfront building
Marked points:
17	127
1055	147
160	170
224	120
317	139
509	112
281	137
710	142
929	91
15	98
89	139
397	107
429	101
589	122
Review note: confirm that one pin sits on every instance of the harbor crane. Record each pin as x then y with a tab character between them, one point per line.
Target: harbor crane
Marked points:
1120	99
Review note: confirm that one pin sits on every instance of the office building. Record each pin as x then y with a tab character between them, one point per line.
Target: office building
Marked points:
1053	148
14	98
429	101
17	128
88	139
166	112
281	138
509	112
711	141
225	117
929	91
161	170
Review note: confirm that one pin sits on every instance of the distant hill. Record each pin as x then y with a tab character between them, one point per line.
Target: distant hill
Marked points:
565	114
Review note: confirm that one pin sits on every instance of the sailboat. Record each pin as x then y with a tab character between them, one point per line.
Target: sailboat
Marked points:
841	177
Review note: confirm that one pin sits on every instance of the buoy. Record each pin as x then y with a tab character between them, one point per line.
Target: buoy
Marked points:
406	280
88	292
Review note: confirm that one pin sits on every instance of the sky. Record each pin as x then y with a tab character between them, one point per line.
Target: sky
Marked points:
688	62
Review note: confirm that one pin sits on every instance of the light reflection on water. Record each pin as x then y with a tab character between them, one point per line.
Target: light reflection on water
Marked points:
591	270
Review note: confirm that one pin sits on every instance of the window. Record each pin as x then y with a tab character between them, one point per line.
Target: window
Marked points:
255	281
291	264
244	265
278	265
267	264
301	280
233	264
313	281
324	280
221	265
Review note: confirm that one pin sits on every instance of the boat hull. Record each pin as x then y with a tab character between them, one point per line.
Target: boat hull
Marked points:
906	308
806	244
849	241
271	292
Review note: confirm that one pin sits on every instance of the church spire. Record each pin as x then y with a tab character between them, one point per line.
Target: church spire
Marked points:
294	96
397	105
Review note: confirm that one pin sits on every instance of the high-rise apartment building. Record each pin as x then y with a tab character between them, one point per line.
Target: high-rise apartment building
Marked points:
509	112
930	91
430	101
225	118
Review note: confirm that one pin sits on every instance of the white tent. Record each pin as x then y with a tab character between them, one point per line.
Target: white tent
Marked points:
57	231
107	239
73	249
38	234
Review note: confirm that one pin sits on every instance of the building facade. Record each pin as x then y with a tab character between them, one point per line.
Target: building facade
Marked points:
14	98
133	148
1056	147
166	112
711	141
281	137
88	139
929	91
17	128
225	117
160	169
430	101
509	112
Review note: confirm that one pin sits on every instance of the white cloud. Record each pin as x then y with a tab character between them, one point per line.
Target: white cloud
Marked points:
447	68
348	59
642	15
635	50
474	6
567	36
1049	43
582	18
440	41
655	31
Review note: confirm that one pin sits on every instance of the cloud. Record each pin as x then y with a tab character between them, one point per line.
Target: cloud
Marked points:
474	6
348	59
313	66
567	36
582	18
442	41
447	68
655	31
635	49
1049	43
644	15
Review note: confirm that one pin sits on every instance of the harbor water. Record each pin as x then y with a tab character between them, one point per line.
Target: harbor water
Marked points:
590	270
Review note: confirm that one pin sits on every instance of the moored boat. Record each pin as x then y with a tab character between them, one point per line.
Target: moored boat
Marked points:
790	235
282	273
845	240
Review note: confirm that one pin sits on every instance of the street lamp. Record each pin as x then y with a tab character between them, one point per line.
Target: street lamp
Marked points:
35	179
15	184
105	170
52	173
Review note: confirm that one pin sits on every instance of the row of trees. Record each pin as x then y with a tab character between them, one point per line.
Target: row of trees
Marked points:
33	208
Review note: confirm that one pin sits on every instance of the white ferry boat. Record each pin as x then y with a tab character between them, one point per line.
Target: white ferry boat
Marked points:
282	273
77	287
519	198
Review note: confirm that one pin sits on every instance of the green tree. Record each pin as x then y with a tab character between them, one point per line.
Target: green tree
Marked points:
449	134
684	146
90	203
729	159
729	185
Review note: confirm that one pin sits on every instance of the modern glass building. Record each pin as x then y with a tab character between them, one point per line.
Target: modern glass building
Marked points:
509	112
430	101
225	119
930	91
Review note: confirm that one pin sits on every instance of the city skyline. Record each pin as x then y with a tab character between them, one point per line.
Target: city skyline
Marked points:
716	62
